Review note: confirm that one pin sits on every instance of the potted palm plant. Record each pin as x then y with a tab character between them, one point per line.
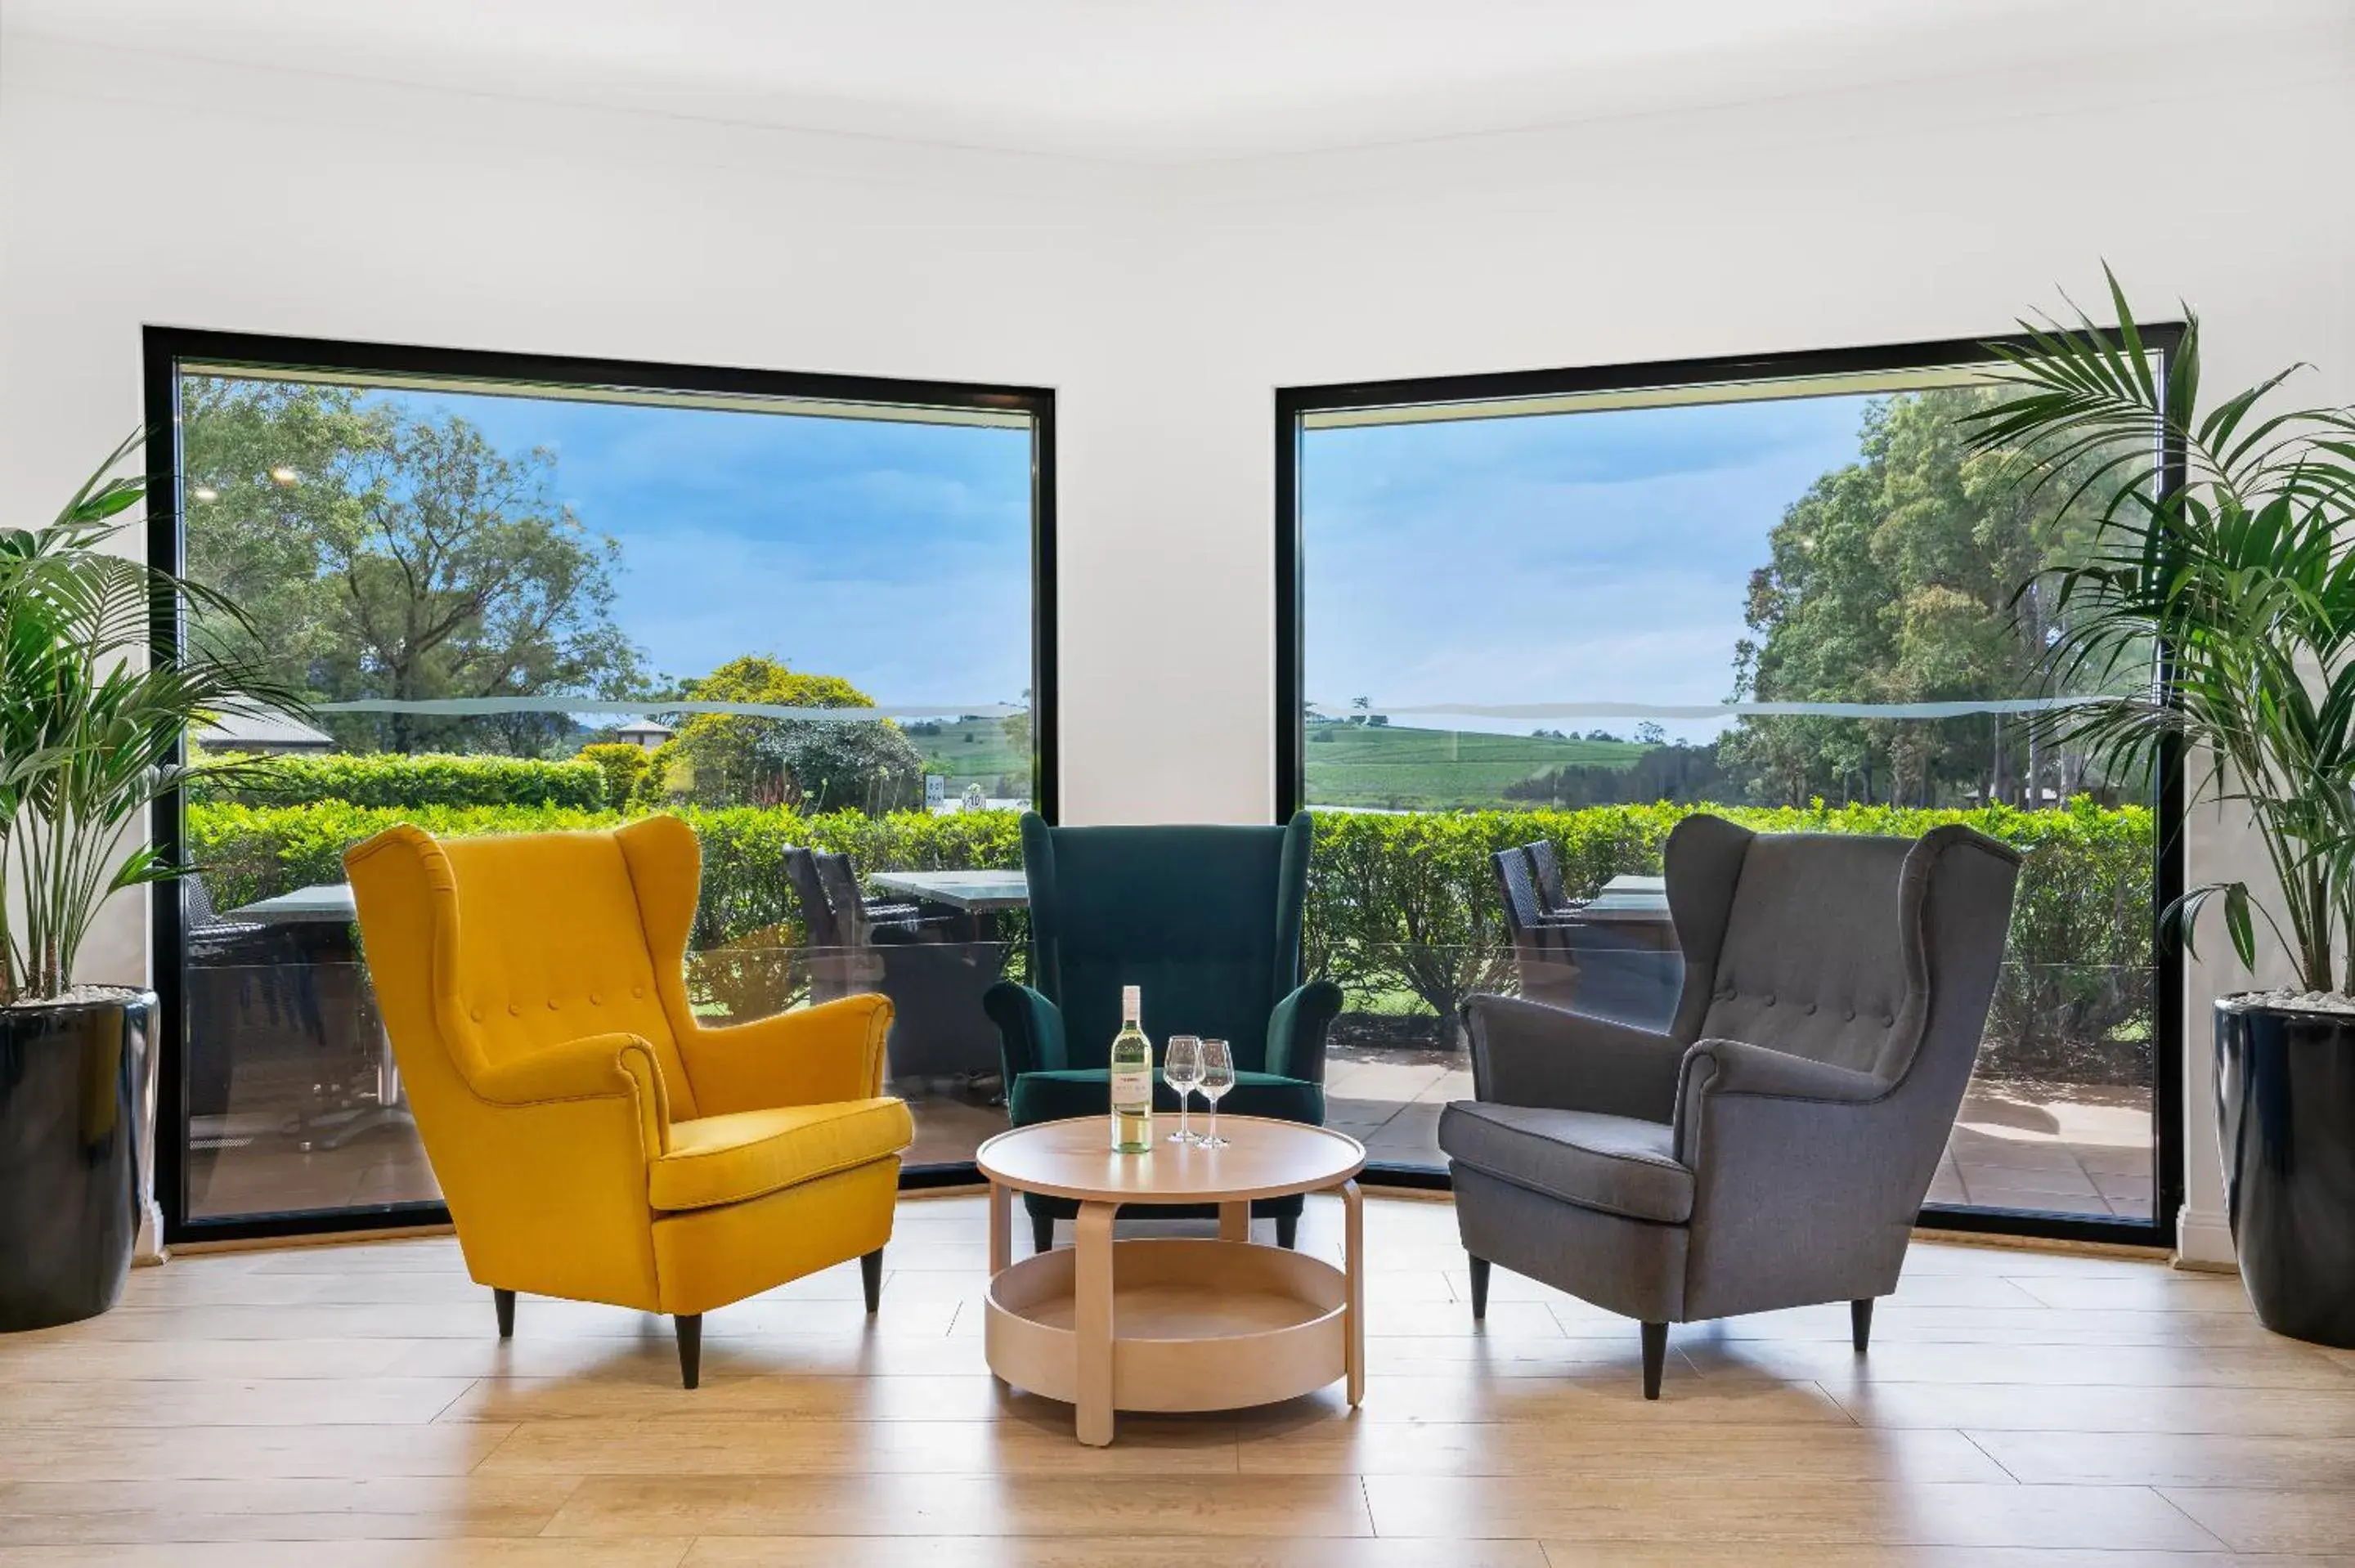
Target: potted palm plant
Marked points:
2216	611
93	706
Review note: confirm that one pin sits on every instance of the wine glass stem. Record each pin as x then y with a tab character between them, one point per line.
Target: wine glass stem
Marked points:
1213	1139
1185	1112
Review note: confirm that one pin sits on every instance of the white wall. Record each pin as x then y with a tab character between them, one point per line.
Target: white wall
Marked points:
1873	218
1165	304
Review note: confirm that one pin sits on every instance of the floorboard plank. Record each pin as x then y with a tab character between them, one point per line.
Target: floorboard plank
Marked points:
2264	1519
1733	1509
886	1504
2017	1410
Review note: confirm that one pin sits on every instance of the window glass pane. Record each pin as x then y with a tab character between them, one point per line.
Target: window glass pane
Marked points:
1569	623
799	623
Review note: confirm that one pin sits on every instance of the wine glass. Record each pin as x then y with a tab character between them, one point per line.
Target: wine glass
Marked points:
1181	1069
1218	1078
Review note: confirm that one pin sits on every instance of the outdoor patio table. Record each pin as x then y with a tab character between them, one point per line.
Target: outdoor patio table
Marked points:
978	896
329	903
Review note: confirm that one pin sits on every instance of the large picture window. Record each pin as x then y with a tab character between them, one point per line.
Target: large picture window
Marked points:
807	613
1555	613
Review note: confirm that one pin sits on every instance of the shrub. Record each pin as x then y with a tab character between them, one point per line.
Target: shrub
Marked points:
831	764
402	780
1396	902
248	852
669	774
1409	903
735	757
622	764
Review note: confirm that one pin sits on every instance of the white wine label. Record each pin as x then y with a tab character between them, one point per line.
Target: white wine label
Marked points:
1131	1086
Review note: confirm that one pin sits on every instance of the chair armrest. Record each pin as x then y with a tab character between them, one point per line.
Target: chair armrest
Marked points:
602	1066
1029	1030
1808	1178
1296	1030
1714	1070
811	1056
1525	1054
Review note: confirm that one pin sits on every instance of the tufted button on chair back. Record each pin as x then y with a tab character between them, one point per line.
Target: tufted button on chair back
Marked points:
556	949
1815	959
1821	945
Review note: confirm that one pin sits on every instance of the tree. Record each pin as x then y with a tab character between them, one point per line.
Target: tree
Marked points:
623	765
832	765
1893	580
811	764
383	555
1017	728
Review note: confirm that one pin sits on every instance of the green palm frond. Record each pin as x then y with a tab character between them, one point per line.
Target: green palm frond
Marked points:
95	701
2218	546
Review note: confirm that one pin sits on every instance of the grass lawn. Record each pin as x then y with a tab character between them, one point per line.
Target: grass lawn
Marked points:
1436	770
965	750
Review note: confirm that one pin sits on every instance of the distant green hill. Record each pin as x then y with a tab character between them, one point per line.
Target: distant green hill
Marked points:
965	750
1434	769
1349	765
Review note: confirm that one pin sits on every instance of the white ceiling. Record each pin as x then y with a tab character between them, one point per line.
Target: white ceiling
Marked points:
1162	81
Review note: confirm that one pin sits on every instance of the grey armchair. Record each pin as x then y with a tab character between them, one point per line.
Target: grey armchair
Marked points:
1773	1148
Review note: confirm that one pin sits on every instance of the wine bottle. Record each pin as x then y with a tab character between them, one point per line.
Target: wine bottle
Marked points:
1131	1079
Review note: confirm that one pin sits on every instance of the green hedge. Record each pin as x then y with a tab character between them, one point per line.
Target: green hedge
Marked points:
1402	909
248	853
1408	903
412	782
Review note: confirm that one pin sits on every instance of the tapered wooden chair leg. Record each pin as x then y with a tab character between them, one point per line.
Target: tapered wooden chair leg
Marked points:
1859	1323
502	1303
690	1347
1043	1233
1655	1357
870	1279
1287	1231
1479	1288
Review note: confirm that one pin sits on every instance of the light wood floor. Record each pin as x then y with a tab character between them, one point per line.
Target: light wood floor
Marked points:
2018	1408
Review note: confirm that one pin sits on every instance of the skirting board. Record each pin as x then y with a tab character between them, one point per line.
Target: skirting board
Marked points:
2204	1242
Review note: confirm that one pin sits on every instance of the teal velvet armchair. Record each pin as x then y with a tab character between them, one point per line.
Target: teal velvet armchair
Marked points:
1207	920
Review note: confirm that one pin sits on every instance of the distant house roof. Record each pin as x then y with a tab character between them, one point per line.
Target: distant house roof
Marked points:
262	729
643	731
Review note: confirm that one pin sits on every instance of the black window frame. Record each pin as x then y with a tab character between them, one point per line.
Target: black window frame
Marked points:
2168	1002
166	348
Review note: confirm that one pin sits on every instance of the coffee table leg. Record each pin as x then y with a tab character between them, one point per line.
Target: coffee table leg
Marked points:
1353	1208
1234	1222
1092	1320
1001	1228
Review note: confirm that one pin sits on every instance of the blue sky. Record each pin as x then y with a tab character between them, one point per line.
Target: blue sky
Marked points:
897	555
1601	556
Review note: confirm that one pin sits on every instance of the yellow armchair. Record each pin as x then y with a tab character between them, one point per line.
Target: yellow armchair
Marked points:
594	1138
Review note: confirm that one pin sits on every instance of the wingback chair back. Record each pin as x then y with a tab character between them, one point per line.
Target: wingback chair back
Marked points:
569	935
1878	955
1826	945
1205	919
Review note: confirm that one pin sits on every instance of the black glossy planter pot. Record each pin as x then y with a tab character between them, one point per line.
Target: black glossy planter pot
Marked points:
2285	1114
72	1078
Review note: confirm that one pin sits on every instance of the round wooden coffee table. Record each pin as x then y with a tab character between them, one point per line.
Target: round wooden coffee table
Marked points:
1173	1324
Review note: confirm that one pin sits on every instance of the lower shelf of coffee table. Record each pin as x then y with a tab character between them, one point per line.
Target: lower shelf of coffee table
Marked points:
1197	1325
